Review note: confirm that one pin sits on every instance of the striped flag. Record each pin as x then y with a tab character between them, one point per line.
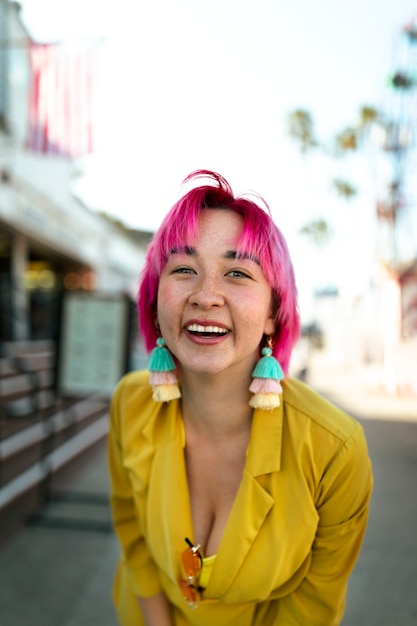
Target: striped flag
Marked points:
61	99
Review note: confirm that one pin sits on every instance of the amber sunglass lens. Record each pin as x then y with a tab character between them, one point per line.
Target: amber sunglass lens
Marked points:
188	592
191	562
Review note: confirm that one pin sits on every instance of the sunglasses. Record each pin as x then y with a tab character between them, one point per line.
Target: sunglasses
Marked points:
192	562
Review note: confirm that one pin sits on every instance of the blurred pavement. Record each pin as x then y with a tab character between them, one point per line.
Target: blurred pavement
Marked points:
58	569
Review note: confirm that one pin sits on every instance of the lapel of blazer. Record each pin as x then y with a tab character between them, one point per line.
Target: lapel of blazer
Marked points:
252	503
169	512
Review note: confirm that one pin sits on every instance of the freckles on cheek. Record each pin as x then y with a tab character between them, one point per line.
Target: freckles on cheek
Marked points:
166	298
256	306
251	301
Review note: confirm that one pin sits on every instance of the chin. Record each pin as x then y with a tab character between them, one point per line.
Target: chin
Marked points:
204	369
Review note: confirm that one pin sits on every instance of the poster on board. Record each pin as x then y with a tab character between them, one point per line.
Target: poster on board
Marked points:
93	347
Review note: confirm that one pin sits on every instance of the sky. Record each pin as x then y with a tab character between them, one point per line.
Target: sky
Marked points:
192	84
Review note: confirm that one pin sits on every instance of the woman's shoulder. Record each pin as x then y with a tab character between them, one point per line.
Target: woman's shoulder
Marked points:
138	379
133	412
133	390
305	401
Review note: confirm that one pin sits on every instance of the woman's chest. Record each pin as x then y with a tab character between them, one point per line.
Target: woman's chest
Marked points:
214	475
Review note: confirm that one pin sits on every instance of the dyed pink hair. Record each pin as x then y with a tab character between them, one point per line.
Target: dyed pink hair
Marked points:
260	238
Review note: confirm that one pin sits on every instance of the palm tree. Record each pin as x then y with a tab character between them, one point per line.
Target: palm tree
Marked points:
301	128
353	137
344	189
317	231
349	140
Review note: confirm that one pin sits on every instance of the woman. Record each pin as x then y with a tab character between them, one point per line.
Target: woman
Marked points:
239	497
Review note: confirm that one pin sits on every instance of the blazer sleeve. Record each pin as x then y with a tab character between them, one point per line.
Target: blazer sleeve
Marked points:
142	572
342	502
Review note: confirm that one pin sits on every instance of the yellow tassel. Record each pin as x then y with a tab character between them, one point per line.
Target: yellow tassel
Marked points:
166	393
266	401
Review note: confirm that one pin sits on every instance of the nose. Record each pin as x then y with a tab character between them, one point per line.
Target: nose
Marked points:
208	293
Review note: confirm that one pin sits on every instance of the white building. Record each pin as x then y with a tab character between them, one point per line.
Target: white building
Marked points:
49	241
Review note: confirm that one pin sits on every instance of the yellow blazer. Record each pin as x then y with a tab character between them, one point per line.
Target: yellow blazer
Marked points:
295	529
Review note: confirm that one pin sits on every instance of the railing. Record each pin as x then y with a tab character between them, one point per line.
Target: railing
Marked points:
40	431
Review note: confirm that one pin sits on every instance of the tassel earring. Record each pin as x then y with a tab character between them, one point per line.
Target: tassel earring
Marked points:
266	385
162	373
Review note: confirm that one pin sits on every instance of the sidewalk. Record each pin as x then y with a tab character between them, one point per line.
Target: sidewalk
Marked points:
58	571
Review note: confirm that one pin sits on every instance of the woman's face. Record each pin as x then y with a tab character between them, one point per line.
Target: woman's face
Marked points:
213	308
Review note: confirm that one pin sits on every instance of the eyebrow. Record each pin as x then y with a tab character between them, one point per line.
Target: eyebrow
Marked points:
229	254
233	254
188	250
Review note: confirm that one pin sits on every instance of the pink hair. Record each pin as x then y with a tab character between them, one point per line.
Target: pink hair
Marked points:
260	238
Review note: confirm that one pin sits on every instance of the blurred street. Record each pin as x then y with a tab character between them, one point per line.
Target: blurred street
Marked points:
57	571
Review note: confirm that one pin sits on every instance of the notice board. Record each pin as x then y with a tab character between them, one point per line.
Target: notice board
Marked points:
93	347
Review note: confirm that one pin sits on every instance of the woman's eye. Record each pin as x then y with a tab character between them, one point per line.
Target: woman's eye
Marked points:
183	270
238	274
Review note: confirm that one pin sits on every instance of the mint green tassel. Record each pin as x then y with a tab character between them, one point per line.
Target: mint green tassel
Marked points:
161	359
268	366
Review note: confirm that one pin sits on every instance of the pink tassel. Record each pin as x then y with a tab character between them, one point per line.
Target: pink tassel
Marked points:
162	378
265	385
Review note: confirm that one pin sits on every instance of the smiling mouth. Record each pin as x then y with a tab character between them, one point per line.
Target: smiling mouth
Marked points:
207	331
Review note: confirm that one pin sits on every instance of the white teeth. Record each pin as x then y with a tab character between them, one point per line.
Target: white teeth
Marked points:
197	328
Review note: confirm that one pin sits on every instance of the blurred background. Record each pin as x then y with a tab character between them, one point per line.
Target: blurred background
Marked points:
104	109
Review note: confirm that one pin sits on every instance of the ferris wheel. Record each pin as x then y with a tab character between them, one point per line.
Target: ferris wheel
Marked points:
397	206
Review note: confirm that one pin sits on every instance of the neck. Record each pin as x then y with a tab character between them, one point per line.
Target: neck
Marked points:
216	405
